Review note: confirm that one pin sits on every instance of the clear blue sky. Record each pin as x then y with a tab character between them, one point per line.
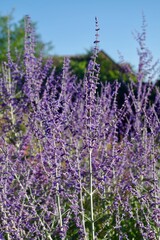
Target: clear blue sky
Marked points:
70	25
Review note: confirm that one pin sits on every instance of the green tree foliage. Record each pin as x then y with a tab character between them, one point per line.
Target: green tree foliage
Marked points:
110	70
14	33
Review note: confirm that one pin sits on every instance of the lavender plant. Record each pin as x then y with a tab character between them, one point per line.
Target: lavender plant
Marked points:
73	165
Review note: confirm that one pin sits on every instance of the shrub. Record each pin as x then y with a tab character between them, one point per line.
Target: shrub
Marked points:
70	168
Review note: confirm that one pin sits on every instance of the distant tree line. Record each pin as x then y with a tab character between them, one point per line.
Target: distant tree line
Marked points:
12	35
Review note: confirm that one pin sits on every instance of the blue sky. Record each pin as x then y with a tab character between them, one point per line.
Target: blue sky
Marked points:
69	24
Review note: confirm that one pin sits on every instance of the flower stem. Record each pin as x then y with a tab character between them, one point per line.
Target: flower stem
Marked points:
91	194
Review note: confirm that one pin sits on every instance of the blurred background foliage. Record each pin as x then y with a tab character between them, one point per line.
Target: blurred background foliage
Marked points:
14	33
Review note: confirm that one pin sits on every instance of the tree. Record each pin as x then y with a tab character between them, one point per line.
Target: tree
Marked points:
14	33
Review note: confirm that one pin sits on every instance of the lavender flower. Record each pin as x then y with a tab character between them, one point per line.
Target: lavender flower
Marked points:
73	165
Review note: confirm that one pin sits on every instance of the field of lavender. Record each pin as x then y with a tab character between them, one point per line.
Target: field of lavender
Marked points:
72	164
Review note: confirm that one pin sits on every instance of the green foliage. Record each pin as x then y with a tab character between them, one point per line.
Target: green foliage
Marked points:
14	33
110	71
78	67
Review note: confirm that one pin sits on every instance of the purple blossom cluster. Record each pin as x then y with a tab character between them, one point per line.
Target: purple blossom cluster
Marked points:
73	165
